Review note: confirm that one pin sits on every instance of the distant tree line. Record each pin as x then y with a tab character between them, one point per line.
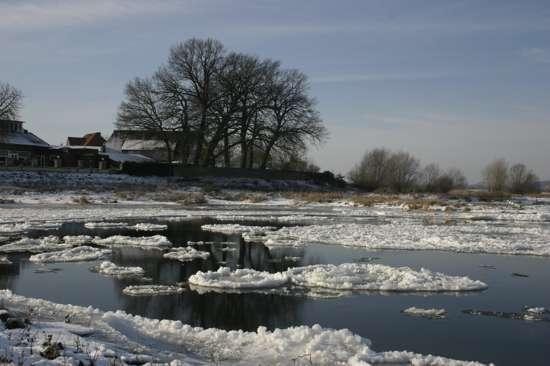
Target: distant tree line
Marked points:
398	171
220	108
499	176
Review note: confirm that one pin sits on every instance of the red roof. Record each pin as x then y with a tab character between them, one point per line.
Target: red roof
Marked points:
90	139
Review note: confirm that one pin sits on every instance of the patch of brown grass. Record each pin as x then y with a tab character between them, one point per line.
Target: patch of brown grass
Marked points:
484	196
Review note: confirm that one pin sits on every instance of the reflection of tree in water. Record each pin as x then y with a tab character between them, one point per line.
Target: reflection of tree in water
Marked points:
226	311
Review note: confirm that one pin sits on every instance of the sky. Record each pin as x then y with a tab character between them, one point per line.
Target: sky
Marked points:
459	83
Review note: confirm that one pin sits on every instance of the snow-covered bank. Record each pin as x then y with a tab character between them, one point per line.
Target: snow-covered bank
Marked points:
378	277
119	334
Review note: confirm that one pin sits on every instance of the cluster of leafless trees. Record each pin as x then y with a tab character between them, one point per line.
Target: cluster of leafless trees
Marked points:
218	108
10	101
499	176
385	170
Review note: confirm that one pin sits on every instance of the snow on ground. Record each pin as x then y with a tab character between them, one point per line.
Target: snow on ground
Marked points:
240	279
426	313
413	235
185	254
78	254
155	241
119	334
378	277
151	290
110	269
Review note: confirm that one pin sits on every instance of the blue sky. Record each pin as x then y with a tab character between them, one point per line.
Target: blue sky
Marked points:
455	82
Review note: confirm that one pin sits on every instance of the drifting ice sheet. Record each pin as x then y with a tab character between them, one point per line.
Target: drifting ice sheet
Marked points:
231	229
77	254
241	279
4	260
156	241
426	313
151	290
150	227
410	235
105	225
110	269
186	254
377	277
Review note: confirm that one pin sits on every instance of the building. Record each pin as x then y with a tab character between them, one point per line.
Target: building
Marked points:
19	147
91	139
146	143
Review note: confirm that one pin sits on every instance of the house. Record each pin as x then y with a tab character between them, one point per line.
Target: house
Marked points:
91	139
19	147
145	143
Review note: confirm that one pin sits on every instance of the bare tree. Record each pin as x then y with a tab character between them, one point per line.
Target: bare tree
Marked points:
522	180
495	175
430	177
195	63
402	171
457	177
371	173
143	109
10	101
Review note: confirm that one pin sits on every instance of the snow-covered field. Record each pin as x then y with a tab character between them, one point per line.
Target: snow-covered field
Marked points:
519	227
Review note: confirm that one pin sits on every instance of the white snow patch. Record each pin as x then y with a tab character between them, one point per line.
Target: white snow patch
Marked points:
240	279
110	269
378	277
185	254
77	254
151	290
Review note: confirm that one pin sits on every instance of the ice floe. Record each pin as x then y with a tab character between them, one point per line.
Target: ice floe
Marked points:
230	229
44	244
407	235
156	241
378	277
426	313
240	279
78	254
110	269
150	227
105	225
323	346
529	314
185	254
4	260
152	290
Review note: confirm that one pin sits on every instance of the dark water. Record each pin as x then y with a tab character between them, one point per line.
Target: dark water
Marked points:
375	316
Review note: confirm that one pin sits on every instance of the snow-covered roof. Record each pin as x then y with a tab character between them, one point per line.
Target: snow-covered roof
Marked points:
120	156
22	138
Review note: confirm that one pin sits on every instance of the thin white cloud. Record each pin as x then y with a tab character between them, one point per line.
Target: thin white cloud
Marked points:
539	55
346	78
33	15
